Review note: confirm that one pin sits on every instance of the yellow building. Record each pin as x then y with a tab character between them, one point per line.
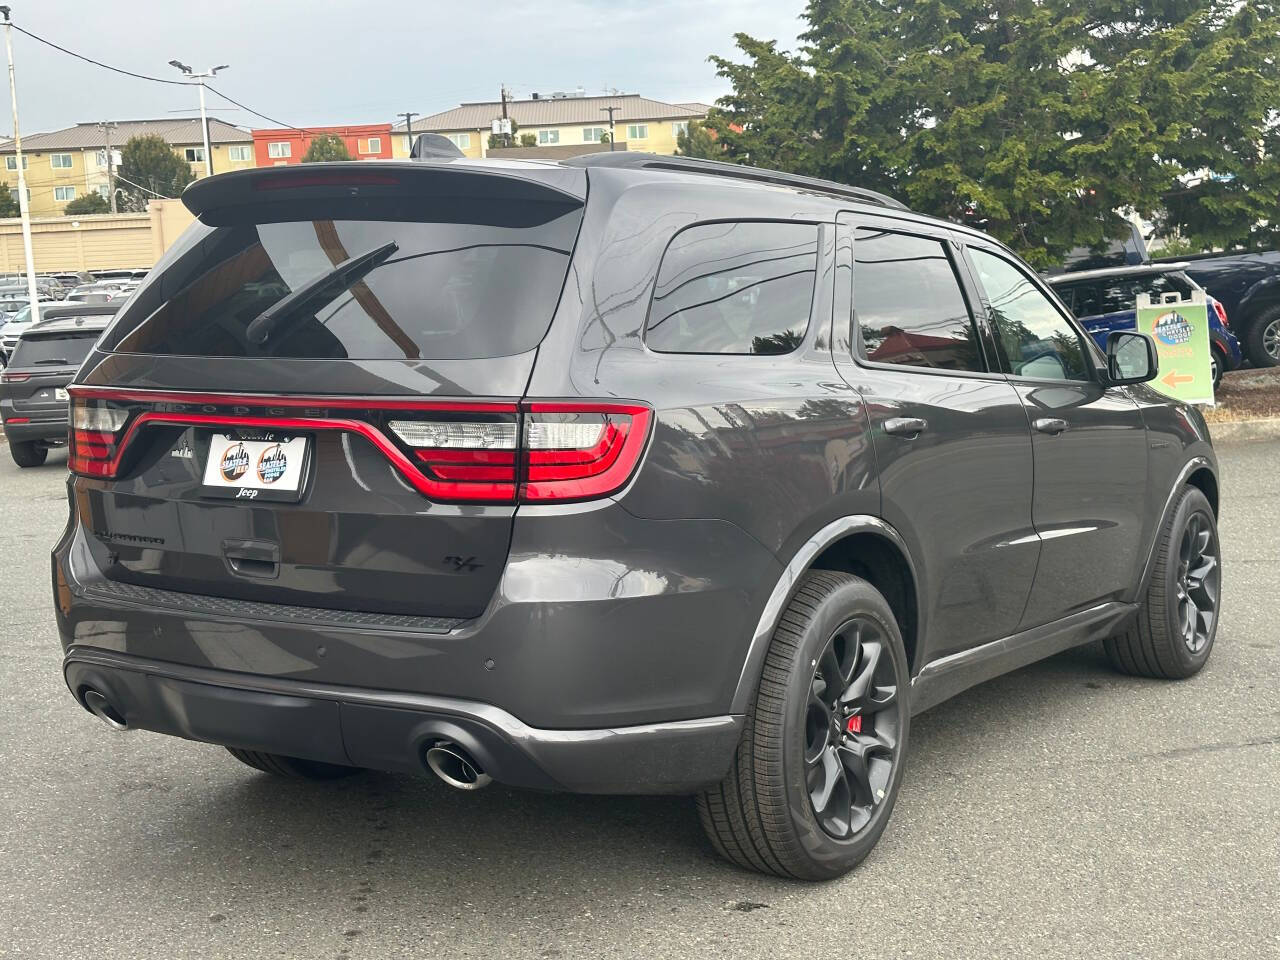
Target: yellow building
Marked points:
561	120
65	164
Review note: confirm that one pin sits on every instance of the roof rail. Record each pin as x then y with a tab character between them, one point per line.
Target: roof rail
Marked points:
655	161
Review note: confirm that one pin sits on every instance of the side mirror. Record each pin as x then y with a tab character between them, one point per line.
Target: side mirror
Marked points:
1131	358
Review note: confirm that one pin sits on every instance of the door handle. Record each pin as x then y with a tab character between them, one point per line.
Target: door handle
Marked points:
910	427
1050	425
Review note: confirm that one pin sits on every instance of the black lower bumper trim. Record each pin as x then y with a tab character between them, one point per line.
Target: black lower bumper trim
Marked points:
387	730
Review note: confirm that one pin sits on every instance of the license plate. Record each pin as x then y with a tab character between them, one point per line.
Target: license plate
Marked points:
59	394
270	469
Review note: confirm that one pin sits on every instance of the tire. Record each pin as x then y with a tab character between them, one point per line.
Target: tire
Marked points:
1157	644
762	816
1262	339
1218	365
292	768
29	453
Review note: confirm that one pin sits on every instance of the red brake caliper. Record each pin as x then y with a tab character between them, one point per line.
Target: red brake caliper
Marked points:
855	724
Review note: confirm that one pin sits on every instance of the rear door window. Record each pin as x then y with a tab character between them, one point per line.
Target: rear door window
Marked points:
908	306
741	287
480	281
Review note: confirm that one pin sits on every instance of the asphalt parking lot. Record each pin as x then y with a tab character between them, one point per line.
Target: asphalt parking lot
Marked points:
1061	811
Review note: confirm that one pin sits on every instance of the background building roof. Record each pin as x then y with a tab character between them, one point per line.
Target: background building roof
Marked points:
179	132
555	111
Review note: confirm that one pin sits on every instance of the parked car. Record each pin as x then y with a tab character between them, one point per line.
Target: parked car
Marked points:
94	293
620	474
12	328
1105	300
1248	286
33	395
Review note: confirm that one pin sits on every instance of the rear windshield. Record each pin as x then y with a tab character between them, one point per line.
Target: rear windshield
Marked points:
463	281
63	350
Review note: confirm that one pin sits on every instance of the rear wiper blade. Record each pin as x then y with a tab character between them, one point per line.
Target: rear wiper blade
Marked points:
60	361
318	290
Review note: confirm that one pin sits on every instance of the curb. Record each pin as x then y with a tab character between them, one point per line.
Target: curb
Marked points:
1235	431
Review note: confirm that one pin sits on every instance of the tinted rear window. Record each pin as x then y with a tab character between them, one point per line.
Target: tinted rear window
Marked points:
734	288
466	281
66	350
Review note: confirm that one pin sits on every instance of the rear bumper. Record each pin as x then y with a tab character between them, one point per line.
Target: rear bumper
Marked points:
391	731
53	429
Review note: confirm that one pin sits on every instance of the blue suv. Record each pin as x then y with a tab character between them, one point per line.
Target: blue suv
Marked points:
1103	301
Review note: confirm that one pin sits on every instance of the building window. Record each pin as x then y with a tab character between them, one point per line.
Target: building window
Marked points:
13	192
60	161
592	134
548	137
460	140
240	152
11	162
638	131
280	148
680	128
375	145
194	154
104	191
62	194
101	158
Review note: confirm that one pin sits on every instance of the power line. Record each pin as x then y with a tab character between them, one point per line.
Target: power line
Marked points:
143	76
97	63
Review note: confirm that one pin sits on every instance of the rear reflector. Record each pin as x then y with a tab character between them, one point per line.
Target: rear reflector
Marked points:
18	420
450	451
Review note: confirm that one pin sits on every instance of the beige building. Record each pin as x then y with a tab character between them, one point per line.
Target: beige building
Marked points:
651	126
65	164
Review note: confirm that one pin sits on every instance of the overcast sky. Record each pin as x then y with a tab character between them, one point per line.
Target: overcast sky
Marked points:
318	62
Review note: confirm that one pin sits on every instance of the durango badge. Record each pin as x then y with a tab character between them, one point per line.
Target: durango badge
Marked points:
235	461
272	464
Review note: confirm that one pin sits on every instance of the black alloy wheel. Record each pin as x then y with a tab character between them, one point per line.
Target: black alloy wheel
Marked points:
851	732
1198	581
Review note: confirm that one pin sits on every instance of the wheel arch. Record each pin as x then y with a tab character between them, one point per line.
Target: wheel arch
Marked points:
1197	472
862	545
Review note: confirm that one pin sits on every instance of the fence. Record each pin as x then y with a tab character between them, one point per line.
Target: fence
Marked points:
97	242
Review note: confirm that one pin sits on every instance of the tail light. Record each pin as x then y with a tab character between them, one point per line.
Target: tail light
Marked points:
1221	311
14	377
96	441
458	452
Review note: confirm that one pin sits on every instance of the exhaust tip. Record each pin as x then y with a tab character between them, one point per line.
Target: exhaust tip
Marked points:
456	767
101	708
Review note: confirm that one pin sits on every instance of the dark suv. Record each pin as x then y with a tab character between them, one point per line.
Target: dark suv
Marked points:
33	395
621	474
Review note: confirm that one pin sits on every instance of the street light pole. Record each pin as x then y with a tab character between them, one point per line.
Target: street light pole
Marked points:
199	79
612	132
24	208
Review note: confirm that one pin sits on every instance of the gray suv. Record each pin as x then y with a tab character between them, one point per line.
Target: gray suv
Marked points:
624	474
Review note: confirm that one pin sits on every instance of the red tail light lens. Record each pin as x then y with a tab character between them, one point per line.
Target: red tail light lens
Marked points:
450	451
14	377
580	451
96	428
1221	311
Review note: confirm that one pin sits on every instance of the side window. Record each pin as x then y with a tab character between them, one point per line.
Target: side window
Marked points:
1037	339
734	288
908	306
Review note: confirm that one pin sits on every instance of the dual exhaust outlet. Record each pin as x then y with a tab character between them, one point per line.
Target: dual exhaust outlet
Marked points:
448	761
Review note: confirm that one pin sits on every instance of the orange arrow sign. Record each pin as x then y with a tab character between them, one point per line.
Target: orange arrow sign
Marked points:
1173	378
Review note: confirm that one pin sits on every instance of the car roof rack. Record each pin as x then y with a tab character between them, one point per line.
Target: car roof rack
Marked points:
717	168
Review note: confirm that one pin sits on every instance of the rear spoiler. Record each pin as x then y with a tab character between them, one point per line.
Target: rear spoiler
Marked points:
455	180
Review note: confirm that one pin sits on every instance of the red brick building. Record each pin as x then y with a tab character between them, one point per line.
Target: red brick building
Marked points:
272	148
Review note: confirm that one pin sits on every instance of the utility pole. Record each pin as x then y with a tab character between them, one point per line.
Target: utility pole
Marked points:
506	136
408	127
24	208
199	79
106	127
609	111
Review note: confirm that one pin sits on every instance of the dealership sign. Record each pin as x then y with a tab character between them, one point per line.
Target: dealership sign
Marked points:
1180	329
